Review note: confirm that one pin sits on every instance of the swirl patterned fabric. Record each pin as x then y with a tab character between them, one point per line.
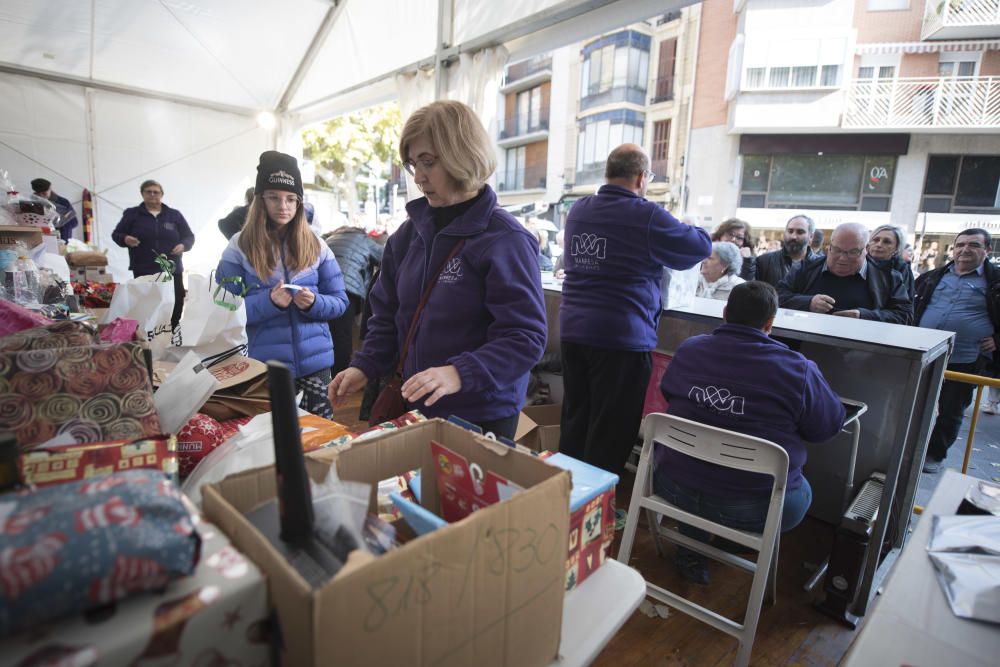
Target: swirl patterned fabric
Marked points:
54	336
94	393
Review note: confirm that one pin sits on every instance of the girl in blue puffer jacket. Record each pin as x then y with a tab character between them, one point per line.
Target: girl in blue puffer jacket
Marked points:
294	285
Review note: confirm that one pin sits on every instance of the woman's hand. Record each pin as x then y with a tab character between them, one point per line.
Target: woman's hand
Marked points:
347	382
304	299
280	296
178	249
439	381
745	251
131	241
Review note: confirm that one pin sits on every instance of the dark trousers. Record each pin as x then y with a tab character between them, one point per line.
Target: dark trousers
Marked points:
502	428
179	294
603	394
955	398
342	331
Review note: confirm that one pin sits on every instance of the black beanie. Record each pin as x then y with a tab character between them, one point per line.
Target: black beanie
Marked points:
278	171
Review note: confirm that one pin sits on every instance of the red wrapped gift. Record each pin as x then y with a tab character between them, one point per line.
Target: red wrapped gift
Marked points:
70	463
196	440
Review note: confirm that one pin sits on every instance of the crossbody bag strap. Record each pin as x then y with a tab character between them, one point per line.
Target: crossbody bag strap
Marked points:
423	302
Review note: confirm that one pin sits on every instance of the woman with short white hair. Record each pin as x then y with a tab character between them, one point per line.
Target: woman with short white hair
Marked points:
720	273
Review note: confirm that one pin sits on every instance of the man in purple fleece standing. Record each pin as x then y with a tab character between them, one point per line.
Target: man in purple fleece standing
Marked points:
617	244
739	378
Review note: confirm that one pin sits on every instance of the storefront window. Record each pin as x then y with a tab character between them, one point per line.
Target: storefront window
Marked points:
962	184
845	182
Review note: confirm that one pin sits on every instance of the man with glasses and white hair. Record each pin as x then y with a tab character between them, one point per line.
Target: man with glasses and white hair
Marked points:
843	283
962	296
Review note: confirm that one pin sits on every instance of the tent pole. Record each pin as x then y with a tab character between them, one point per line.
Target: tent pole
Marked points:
92	162
445	35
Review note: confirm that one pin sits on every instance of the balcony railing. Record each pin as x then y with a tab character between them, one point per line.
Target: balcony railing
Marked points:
526	68
663	90
961	19
590	174
595	97
971	102
524	123
529	178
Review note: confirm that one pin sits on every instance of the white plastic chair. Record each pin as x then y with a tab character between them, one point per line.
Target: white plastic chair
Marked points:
732	450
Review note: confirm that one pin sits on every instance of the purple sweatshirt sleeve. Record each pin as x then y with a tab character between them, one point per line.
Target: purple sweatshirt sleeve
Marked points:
822	411
674	244
379	352
515	300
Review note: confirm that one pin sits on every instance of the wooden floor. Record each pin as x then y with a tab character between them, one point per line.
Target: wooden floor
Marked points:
791	632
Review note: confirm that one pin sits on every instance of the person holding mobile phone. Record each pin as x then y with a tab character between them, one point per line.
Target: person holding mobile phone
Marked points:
294	285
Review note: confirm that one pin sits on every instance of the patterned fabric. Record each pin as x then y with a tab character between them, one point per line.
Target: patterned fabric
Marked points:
76	546
314	399
51	337
98	393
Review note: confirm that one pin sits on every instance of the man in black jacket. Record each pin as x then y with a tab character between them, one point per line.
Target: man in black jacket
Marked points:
963	296
234	222
843	283
775	265
358	255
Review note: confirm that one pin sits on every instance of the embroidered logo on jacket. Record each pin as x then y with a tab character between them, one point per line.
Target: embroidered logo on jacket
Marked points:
717	398
282	177
589	244
452	271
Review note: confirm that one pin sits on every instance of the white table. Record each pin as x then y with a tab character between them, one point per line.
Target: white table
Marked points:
911	622
595	610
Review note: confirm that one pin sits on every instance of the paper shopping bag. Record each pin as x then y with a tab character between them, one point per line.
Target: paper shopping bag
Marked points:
150	301
213	321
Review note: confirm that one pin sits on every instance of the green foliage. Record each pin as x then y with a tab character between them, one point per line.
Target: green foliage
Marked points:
349	145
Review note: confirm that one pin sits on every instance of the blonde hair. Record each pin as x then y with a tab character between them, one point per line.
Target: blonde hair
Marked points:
459	139
260	241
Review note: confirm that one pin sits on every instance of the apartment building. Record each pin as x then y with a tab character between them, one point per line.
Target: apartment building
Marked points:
874	111
564	111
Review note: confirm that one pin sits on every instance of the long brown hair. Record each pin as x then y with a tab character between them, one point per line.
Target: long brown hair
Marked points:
260	241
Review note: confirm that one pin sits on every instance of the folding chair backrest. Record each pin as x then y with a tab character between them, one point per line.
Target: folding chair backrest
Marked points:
717	445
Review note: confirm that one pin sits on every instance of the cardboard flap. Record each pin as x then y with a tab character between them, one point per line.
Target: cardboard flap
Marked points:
524	426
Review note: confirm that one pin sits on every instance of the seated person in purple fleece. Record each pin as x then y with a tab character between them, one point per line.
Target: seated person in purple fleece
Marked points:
483	327
739	378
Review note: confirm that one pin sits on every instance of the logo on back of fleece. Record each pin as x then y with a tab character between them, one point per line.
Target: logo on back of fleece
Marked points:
587	251
719	399
452	271
281	177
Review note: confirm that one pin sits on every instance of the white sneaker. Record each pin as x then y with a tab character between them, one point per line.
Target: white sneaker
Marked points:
991	408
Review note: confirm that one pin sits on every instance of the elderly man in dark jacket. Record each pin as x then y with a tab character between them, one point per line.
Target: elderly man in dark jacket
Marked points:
962	296
358	255
844	283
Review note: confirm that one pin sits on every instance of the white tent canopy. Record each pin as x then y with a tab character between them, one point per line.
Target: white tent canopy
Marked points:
103	94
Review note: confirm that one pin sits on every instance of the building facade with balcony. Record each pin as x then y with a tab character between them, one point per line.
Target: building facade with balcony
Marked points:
875	111
563	112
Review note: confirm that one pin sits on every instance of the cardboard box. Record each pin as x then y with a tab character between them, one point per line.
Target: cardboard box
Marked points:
84	274
216	616
538	427
11	234
487	590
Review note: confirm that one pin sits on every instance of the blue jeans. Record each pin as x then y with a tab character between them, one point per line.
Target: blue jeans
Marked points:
746	514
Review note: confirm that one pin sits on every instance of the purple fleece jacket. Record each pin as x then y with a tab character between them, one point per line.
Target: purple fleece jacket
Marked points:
617	244
485	316
741	379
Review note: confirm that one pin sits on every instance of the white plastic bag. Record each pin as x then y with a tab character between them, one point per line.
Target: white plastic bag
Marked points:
677	288
213	321
150	301
182	394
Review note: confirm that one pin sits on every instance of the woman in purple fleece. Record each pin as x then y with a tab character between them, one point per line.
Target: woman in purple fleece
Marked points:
483	327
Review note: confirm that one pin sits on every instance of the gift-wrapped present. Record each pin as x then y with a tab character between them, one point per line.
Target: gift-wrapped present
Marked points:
70	463
65	333
216	617
15	318
82	545
97	393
